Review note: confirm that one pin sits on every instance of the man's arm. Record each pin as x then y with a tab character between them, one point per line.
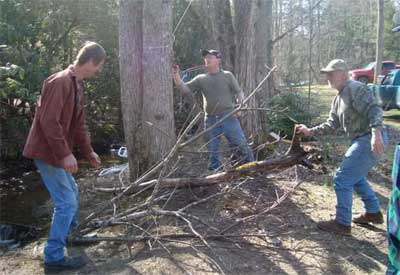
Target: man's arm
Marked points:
240	97
327	127
235	87
330	125
82	138
185	88
366	104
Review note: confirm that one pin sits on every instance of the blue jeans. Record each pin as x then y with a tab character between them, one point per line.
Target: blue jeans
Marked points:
64	195
352	175
231	129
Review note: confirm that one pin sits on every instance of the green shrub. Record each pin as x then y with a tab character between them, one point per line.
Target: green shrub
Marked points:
287	110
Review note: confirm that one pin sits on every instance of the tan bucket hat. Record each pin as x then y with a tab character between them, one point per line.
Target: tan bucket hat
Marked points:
335	65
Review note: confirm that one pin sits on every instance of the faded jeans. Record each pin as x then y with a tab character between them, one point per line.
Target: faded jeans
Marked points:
352	175
232	130
64	195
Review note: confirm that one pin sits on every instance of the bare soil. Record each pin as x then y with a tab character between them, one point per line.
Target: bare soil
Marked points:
285	241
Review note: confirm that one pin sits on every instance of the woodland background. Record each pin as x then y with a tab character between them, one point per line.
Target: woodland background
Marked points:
40	37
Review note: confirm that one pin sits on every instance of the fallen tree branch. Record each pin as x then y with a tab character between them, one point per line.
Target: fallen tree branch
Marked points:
122	239
295	155
263	212
131	186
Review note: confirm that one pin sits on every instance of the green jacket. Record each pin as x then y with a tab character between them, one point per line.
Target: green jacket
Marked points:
355	110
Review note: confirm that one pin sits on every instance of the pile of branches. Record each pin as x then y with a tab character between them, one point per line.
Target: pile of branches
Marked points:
140	205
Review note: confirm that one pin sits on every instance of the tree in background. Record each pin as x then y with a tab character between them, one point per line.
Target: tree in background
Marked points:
42	36
379	40
345	29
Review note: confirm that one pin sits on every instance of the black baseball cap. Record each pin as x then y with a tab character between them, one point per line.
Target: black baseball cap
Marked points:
212	52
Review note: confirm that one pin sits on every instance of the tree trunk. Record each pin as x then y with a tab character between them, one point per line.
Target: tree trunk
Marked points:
264	46
379	41
146	86
253	28
216	17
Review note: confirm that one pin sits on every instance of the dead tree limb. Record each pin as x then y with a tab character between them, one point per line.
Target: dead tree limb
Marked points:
263	212
122	239
295	155
131	186
179	145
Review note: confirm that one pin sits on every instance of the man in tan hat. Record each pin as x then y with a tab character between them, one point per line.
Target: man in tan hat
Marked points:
355	111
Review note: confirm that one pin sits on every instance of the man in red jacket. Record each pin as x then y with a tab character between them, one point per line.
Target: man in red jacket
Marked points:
60	123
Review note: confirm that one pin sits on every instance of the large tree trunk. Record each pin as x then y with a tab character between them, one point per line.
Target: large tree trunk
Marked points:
146	86
253	28
264	46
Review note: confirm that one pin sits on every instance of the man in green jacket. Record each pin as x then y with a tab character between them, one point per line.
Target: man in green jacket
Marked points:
356	111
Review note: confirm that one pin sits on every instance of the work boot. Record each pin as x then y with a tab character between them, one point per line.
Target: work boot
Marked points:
335	227
65	264
369	217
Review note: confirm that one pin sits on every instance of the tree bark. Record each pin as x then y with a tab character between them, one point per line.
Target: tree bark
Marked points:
216	17
379	41
253	28
146	86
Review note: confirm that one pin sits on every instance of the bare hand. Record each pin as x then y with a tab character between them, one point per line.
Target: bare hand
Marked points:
70	164
304	130
377	145
94	160
238	115
176	74
175	70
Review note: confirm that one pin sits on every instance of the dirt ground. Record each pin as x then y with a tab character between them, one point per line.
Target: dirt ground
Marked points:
284	241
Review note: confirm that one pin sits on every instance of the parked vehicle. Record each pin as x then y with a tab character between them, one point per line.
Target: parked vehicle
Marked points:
366	74
388	92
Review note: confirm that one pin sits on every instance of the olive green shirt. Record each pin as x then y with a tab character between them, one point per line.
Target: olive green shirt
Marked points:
219	91
355	110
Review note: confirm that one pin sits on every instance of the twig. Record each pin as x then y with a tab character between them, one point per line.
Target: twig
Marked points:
162	237
268	209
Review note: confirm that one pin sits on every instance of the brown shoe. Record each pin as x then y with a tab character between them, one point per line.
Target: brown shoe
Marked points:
333	226
369	217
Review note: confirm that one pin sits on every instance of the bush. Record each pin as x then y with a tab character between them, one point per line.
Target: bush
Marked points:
287	110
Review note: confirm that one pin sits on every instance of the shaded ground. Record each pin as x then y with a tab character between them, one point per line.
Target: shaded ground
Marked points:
287	240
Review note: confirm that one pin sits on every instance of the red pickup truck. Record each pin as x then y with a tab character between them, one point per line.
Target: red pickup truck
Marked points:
366	74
